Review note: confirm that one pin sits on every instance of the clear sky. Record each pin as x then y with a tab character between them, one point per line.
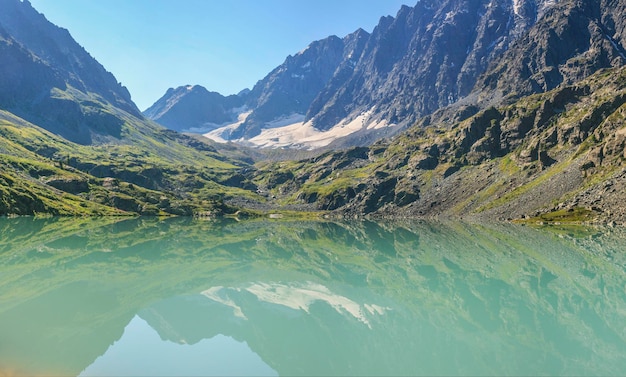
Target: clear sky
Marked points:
223	45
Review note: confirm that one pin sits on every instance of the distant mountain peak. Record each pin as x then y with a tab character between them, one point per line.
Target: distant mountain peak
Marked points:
194	108
433	55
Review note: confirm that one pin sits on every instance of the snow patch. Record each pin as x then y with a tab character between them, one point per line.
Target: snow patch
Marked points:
615	46
293	132
285	120
304	50
543	7
517	6
220	135
210	127
305	136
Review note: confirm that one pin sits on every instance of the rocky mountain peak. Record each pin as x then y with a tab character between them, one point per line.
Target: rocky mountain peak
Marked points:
569	41
291	87
436	54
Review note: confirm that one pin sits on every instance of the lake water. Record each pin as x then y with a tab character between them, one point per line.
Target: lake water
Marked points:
96	297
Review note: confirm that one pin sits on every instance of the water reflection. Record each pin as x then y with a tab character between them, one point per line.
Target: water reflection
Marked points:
188	297
141	352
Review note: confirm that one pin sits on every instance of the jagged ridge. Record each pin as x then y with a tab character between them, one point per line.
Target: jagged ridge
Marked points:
425	59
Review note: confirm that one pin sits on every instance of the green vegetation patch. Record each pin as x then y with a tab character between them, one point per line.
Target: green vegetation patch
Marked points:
575	215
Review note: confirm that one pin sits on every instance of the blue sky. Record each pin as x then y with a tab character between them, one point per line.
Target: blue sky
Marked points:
223	45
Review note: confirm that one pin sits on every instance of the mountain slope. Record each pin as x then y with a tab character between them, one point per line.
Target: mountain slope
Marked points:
572	40
285	94
73	143
425	59
41	65
55	48
555	156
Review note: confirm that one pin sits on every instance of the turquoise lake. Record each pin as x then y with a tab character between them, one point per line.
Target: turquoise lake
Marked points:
150	297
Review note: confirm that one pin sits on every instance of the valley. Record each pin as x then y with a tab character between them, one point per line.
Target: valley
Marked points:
522	120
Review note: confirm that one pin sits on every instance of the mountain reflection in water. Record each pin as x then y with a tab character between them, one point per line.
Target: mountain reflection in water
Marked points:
186	297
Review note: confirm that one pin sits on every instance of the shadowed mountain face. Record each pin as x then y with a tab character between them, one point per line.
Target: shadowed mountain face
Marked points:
189	108
434	55
48	79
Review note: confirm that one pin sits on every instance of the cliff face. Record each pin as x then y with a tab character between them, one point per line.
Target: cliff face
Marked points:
433	55
422	60
572	40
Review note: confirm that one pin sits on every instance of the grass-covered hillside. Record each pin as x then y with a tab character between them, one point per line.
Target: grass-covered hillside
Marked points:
144	170
72	142
552	157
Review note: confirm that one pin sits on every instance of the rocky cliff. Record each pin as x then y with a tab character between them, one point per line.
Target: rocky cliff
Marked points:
437	54
570	41
430	56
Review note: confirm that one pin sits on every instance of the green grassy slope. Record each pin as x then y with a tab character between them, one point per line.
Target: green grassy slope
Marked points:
552	157
145	169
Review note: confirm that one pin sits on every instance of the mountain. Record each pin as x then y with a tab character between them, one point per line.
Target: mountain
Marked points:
291	88
193	108
570	41
556	156
523	118
282	97
42	69
72	142
430	56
